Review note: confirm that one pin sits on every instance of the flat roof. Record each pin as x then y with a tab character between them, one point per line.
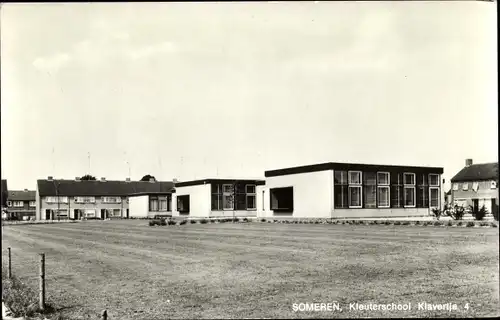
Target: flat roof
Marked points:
350	166
257	182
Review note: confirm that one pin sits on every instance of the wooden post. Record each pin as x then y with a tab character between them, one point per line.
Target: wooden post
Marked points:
42	281
10	265
105	315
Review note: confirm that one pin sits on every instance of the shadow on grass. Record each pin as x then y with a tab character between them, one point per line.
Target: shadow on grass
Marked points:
23	301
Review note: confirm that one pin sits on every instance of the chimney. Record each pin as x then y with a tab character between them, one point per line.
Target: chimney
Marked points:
151	179
50	178
174	180
127	179
25	190
77	178
103	179
468	162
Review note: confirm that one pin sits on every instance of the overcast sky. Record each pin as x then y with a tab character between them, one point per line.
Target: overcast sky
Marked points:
195	90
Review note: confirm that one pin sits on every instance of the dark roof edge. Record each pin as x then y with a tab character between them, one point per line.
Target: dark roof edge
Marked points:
347	166
258	182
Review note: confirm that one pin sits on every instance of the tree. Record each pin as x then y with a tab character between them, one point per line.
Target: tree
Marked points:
88	177
148	177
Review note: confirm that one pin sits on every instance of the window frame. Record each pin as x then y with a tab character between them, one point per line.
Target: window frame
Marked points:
438	198
409	186
180	199
437	180
384	186
278	209
228	194
352	185
32	204
251	194
343	186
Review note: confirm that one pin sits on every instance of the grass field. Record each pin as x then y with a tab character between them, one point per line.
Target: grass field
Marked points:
256	269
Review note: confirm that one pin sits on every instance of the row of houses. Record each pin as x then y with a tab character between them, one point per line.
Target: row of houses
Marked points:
327	190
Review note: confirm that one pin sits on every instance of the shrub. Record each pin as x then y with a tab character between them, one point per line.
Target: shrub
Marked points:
192	221
361	222
456	212
493	225
470	224
262	220
212	221
163	222
450	224
459	224
245	220
479	214
484	224
387	222
437	212
269	221
417	223
171	222
343	222
397	223
236	220
405	223
152	223
183	222
438	223
203	221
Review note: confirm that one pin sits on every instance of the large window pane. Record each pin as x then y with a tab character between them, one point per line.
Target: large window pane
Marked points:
227	202
370	189
355	197
340	177
422	197
282	199
354	177
383	178
409	178
341	196
434	195
396	196
251	202
216	201
383	196
241	202
409	196
434	179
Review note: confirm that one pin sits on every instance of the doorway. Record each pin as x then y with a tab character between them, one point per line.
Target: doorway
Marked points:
475	205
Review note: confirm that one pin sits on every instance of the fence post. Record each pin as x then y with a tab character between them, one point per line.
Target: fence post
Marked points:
42	281
105	315
10	265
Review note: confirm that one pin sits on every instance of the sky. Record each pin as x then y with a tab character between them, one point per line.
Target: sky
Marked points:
204	90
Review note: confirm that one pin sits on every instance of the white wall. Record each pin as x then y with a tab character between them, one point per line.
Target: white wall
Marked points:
312	194
138	206
199	200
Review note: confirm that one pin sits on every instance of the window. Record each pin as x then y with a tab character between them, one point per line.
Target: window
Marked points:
409	189
355	191
383	190
216	196
251	202
370	189
85	199
32	204
183	204
341	189
227	197
54	199
153	203
240	201
465	186
18	204
111	199
282	199
422	191
89	213
455	187
434	180
434	197
396	190
163	204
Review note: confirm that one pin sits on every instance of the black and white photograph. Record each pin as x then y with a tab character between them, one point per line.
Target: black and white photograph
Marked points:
249	160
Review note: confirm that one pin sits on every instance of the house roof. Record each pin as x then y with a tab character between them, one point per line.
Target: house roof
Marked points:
102	188
351	166
209	181
4	185
477	172
21	195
